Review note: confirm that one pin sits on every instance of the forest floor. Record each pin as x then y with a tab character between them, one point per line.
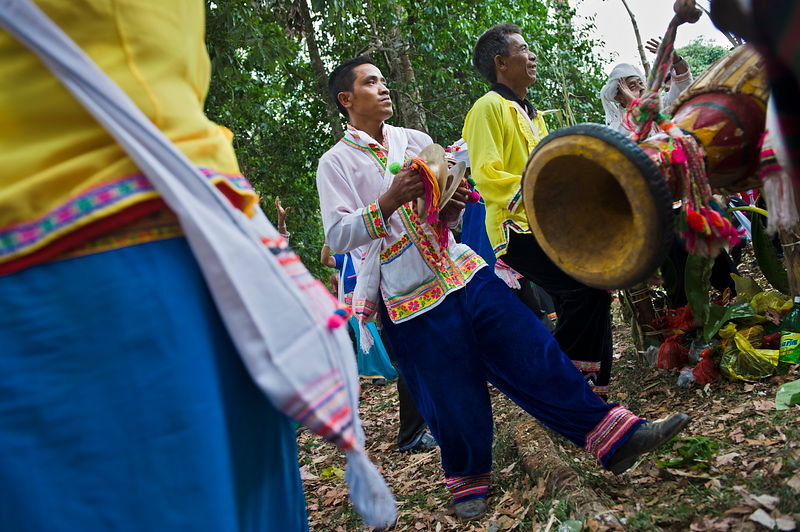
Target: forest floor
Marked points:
735	467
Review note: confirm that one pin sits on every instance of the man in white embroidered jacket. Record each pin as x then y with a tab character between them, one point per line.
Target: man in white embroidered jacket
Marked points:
453	324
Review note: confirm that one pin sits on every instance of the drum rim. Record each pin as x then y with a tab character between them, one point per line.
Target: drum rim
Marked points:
653	179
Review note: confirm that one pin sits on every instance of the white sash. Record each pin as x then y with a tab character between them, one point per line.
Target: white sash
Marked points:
277	320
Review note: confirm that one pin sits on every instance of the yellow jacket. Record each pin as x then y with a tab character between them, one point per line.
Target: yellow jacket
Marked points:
500	139
60	171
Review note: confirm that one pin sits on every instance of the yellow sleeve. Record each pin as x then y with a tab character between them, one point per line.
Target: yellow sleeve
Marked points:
541	125
483	131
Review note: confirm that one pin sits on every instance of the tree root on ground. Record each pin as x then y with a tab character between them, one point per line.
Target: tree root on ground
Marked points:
541	461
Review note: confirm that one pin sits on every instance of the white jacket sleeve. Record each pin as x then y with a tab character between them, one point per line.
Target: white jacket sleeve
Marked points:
680	82
349	222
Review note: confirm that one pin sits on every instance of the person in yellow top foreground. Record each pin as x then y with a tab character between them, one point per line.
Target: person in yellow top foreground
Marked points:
125	401
501	130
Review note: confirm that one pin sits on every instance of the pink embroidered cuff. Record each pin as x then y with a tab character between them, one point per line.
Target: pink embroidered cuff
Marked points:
373	221
616	423
464	488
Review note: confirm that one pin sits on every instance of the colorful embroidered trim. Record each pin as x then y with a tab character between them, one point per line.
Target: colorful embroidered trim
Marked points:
395	250
600	390
364	307
436	259
373	221
768	163
160	225
404	306
506	226
322	303
514	200
24	237
616	423
324	409
586	365
378	156
468	487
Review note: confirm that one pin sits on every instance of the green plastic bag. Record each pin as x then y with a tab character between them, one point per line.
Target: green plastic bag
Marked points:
741	361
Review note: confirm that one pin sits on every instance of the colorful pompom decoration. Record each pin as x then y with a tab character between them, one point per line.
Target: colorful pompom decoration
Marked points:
338	318
395	167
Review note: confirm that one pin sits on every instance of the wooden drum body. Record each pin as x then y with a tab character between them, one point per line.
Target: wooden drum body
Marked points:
601	206
725	110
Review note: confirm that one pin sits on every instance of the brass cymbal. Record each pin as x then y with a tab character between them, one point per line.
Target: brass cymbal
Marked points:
448	178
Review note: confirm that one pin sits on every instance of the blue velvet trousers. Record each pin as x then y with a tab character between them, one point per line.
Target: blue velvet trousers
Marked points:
484	333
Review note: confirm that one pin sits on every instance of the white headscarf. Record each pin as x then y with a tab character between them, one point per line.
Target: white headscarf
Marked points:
609	92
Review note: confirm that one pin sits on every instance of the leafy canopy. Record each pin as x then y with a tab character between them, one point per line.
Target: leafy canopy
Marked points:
263	84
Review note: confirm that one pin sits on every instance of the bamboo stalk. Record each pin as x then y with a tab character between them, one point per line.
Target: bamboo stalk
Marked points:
643	57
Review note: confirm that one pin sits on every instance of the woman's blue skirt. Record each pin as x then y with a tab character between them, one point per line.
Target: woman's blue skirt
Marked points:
124	405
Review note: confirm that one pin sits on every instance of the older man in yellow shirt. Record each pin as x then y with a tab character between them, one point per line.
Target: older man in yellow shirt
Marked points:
501	130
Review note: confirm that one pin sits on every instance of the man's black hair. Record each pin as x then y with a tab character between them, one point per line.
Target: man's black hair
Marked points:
493	42
342	78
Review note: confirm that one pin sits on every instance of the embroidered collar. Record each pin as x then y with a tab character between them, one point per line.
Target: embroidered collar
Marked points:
378	153
363	139
506	92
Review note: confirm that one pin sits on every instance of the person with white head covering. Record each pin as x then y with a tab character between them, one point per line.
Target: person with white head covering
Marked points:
626	83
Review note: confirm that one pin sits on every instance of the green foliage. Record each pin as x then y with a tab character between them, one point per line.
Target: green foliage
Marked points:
701	54
767	257
719	316
264	90
697	283
693	453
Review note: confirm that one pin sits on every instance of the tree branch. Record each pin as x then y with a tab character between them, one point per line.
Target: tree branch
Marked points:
643	57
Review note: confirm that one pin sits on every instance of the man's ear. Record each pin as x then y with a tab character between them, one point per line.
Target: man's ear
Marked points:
499	63
345	98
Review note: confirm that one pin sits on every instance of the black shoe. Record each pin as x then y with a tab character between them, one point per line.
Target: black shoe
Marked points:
647	437
471	509
421	444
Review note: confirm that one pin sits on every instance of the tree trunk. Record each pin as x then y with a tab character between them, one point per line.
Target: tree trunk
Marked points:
408	99
321	77
791	255
643	57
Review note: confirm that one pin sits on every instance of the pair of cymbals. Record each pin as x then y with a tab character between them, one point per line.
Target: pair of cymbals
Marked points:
449	178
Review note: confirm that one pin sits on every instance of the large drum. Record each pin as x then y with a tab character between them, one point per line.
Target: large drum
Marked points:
600	205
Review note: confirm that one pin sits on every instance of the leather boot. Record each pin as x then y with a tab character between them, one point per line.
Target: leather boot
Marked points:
648	436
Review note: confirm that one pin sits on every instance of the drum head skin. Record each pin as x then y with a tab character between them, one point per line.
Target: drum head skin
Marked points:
598	206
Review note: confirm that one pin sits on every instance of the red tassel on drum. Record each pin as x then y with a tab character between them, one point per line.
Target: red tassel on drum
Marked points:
696	221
